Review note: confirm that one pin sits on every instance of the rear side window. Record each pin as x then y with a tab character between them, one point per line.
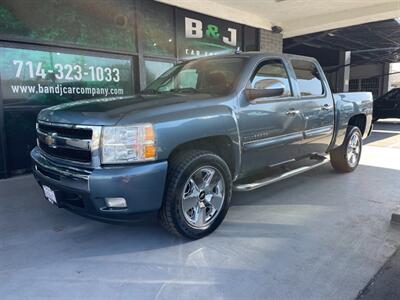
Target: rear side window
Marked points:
308	78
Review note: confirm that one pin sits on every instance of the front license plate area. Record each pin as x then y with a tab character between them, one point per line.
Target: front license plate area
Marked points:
50	195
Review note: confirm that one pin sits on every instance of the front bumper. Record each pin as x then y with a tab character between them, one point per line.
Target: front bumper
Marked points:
83	191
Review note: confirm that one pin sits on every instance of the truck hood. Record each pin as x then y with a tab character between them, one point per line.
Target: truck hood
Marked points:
110	111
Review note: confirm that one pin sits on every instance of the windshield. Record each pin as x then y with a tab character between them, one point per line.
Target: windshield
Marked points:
391	95
212	76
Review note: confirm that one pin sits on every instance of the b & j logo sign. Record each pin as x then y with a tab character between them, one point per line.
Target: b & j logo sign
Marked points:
200	35
194	30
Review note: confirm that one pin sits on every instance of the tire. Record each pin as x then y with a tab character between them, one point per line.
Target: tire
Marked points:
187	186
344	161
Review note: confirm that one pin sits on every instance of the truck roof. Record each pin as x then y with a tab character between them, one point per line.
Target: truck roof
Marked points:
258	54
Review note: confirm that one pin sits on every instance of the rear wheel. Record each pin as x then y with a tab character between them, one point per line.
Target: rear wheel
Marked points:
347	156
198	193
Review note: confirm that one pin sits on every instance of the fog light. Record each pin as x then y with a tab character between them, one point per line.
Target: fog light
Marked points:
116	202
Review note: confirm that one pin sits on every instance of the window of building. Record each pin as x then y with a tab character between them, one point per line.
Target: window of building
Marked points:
370	85
354	85
155	68
159	30
34	79
50	76
268	73
94	24
251	39
308	78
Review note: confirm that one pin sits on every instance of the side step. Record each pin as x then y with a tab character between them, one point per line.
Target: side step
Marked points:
320	160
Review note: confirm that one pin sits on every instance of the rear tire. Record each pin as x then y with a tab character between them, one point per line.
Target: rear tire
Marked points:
346	158
198	193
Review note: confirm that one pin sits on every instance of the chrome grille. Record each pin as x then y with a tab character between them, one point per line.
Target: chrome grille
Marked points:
69	142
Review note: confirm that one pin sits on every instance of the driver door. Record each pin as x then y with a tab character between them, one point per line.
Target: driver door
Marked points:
270	129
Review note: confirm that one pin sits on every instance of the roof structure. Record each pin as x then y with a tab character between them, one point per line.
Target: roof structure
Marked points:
371	42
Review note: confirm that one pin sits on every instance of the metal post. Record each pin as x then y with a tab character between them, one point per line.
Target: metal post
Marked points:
344	72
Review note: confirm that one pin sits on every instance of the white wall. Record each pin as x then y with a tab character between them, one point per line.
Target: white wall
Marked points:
365	71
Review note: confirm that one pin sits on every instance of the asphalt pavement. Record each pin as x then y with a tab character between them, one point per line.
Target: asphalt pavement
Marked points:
319	235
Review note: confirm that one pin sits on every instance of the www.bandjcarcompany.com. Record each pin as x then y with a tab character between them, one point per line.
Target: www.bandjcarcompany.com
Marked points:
61	90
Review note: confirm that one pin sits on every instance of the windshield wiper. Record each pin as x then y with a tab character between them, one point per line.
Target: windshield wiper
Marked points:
150	91
185	90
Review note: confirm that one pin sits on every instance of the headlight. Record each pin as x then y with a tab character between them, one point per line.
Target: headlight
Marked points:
125	144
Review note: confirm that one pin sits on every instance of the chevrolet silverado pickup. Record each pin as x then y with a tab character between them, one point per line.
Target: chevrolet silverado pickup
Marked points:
204	128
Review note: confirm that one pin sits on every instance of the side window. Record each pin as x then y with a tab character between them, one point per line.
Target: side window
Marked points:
185	79
308	78
268	73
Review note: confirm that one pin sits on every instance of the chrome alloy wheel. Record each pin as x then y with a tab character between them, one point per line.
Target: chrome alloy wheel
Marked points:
203	196
353	150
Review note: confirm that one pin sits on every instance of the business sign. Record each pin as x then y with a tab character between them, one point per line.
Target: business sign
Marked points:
36	77
200	35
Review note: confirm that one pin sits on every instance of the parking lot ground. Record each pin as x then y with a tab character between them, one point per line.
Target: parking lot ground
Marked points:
320	235
385	285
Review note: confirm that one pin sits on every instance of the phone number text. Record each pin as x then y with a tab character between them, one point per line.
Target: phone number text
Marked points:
66	71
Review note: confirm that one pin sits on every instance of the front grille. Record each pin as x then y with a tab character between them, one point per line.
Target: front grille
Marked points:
67	142
76	133
65	153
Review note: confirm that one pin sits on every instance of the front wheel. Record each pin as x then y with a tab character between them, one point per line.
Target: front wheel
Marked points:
198	193
347	156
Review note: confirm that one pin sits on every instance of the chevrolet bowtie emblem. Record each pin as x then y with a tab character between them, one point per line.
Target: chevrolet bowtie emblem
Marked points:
51	140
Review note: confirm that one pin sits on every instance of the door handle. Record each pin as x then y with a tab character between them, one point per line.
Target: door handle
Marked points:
292	112
326	107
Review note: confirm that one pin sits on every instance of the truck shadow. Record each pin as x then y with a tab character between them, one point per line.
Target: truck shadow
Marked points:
383	131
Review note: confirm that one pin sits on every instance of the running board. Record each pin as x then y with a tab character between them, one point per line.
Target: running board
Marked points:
269	180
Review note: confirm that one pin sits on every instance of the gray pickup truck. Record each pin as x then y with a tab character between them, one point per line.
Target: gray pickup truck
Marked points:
204	128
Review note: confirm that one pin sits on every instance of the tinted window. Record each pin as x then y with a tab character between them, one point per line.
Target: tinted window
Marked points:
49	77
391	95
158	29
308	78
267	74
91	23
33	79
212	76
155	68
201	35
251	38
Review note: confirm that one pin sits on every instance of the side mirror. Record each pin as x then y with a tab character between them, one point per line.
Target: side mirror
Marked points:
266	88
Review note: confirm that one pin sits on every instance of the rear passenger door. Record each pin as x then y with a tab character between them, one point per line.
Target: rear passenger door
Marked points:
315	103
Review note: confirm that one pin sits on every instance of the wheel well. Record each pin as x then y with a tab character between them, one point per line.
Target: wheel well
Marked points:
220	145
359	121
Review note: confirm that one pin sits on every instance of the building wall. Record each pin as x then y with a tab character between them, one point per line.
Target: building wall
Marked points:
370	77
365	71
270	42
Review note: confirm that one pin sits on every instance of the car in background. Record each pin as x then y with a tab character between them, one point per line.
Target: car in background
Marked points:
387	105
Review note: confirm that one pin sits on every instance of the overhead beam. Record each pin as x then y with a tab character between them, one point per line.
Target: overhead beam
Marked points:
322	22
